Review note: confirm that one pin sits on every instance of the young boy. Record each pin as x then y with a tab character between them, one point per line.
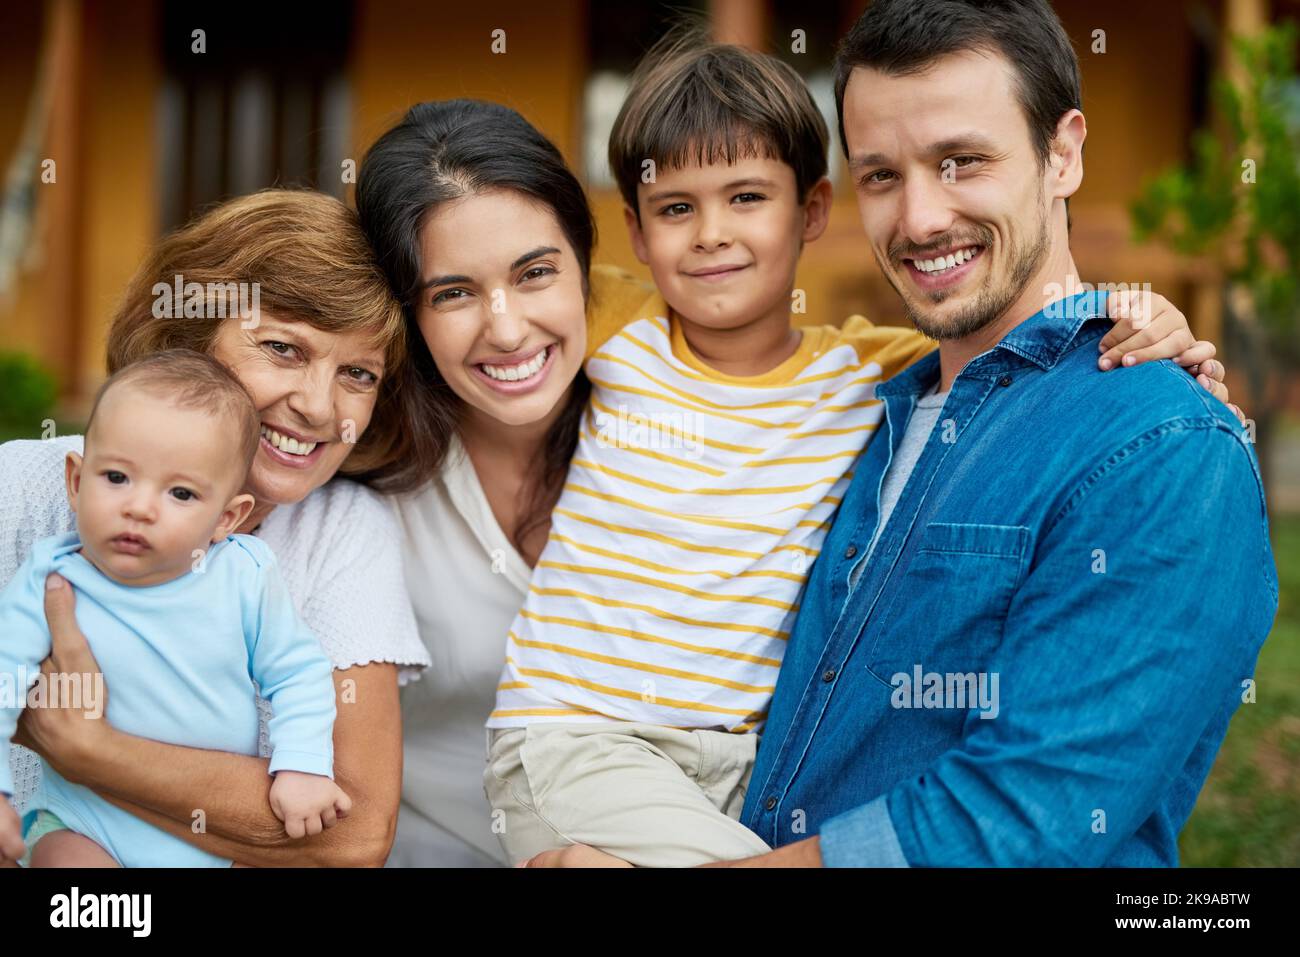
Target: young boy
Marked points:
182	615
718	443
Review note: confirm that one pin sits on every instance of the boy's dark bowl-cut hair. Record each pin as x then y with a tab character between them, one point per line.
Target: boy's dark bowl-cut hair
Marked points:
901	37
694	100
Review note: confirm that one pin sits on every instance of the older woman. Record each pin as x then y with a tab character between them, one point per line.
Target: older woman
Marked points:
320	358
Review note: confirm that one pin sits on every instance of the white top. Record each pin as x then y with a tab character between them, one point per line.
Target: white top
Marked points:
467	582
337	550
929	405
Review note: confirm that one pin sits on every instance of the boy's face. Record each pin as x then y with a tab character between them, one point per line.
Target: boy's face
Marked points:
723	241
156	483
943	164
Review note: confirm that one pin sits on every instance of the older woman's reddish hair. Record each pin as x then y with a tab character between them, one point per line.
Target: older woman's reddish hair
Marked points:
310	262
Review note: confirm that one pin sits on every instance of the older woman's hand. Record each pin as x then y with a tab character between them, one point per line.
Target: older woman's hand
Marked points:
69	727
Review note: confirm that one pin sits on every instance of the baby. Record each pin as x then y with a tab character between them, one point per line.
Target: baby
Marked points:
186	619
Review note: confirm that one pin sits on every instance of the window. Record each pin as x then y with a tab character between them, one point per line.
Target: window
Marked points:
618	37
265	104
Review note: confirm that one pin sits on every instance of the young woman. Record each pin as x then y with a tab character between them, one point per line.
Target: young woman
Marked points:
486	238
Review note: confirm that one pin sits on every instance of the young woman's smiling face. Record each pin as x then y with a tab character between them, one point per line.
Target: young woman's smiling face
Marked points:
501	307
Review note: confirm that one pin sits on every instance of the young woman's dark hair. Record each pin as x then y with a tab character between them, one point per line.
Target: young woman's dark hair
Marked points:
439	152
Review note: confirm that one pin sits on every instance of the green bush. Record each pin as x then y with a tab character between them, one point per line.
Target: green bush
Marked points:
27	392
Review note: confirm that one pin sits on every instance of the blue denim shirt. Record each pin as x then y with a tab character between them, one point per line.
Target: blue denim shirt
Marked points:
1091	551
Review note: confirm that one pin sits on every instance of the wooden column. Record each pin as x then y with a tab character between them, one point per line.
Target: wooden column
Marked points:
62	202
742	22
1241	18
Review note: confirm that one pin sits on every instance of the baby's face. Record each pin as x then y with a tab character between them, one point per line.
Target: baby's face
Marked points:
154	488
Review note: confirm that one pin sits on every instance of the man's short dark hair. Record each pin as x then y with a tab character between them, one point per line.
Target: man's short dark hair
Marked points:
901	37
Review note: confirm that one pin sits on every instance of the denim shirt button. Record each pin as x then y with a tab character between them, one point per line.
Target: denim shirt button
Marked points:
770	803
828	675
1005	381
850	551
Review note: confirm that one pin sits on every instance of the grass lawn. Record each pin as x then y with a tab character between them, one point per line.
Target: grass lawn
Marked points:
1249	811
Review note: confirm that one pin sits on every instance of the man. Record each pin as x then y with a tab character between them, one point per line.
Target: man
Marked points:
1044	593
1097	556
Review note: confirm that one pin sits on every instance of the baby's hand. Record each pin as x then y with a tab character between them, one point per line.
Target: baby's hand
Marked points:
12	847
307	803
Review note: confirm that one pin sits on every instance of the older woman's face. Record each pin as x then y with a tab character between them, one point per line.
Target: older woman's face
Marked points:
315	392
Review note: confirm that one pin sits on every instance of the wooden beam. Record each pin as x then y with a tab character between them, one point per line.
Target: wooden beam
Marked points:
63	199
742	22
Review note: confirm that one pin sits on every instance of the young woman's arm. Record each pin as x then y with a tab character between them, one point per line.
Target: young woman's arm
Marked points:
166	784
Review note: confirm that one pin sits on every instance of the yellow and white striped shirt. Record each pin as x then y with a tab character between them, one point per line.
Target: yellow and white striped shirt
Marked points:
693	509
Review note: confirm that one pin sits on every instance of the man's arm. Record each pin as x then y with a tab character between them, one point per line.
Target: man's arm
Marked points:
1107	678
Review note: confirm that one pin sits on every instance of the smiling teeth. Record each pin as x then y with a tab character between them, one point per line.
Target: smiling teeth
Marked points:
286	444
525	370
943	263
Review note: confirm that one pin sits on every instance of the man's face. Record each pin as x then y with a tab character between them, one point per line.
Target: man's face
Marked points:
951	192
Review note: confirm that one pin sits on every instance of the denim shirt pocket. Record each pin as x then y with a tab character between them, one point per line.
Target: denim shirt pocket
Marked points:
950	604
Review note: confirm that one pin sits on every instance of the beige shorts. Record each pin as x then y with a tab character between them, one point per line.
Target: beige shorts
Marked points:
654	796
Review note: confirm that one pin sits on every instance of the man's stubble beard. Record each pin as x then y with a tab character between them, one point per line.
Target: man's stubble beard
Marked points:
990	303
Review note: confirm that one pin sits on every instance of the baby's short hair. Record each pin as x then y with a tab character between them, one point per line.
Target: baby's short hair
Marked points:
692	99
192	380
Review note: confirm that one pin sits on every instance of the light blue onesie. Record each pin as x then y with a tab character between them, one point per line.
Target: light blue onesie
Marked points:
182	662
